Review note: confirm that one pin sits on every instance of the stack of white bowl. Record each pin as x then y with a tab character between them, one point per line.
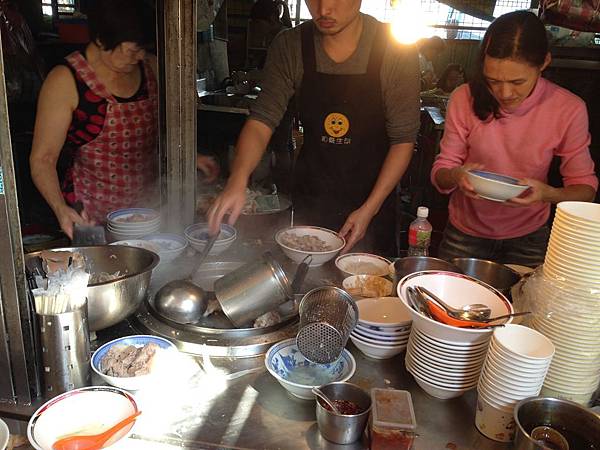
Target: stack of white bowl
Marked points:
514	369
131	223
383	327
445	360
567	309
197	235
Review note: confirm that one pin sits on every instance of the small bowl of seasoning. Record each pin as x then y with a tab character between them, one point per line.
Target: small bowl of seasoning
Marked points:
354	406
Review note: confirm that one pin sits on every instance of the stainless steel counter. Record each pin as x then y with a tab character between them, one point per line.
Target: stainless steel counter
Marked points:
198	407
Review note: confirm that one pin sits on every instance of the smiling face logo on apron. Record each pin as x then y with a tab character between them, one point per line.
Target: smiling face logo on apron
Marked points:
337	126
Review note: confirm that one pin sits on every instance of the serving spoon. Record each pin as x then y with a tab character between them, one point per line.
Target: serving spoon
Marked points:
319	393
92	441
474	311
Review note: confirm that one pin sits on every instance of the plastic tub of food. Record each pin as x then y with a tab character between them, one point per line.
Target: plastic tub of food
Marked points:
393	420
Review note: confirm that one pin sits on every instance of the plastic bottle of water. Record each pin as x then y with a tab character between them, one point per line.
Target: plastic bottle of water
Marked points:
419	234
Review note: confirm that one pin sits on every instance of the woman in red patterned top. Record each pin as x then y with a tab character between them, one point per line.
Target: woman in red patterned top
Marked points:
100	109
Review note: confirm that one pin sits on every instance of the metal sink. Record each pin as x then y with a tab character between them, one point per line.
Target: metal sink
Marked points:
226	100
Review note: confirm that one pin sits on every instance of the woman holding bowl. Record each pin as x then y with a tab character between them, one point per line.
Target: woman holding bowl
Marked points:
509	120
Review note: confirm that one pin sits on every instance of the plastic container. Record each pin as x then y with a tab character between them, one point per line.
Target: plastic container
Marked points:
419	234
393	420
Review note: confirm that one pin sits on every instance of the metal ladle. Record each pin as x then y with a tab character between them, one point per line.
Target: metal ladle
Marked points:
549	438
319	393
182	301
474	311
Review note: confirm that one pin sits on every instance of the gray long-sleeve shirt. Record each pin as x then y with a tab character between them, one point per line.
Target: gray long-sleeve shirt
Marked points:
400	82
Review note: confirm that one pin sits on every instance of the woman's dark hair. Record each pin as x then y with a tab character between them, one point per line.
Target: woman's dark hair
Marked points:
518	35
443	81
112	22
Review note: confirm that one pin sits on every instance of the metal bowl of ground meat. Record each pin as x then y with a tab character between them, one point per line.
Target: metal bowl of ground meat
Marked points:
119	279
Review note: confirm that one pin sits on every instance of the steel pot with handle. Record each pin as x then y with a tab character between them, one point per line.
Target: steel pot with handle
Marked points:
252	290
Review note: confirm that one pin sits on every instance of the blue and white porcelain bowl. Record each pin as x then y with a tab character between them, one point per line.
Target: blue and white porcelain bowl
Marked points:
197	235
494	186
298	375
129	383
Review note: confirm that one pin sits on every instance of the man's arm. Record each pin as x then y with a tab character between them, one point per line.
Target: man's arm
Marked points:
391	172
250	147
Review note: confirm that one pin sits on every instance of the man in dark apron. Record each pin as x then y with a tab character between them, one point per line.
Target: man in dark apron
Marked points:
348	166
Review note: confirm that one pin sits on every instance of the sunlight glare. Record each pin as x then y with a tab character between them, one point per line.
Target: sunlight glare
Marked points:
409	24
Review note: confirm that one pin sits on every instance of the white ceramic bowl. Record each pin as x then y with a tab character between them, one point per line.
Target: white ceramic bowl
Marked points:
370	340
387	311
169	245
139	243
376	351
524	343
298	375
388	333
367	286
94	409
363	264
119	218
333	240
378	337
437	391
197	235
493	186
456	290
138	382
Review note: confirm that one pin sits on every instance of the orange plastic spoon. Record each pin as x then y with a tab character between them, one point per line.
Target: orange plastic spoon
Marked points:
94	441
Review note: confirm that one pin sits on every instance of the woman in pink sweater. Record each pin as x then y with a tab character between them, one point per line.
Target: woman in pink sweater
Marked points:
511	121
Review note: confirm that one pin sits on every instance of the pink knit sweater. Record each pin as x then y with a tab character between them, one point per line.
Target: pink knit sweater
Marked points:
550	122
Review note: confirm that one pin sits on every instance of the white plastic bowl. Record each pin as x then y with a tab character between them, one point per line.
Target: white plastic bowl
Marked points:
493	186
377	351
363	264
130	383
94	409
331	239
298	375
456	290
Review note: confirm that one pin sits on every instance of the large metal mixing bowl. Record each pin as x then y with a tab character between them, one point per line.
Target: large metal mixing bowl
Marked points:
495	274
112	301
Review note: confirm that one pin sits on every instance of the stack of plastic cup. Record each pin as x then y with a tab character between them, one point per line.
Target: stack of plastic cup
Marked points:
515	368
567	308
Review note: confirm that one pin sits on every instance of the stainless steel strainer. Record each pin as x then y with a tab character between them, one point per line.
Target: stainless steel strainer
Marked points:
327	316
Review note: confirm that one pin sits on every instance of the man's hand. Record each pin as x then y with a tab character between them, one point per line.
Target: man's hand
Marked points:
67	217
230	201
355	227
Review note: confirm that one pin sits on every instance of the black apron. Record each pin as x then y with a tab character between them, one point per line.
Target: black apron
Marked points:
345	145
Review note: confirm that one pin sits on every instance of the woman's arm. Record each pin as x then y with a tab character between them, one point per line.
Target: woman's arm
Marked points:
57	101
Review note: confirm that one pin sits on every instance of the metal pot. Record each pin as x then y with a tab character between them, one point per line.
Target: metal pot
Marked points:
112	301
252	290
412	264
579	425
495	274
